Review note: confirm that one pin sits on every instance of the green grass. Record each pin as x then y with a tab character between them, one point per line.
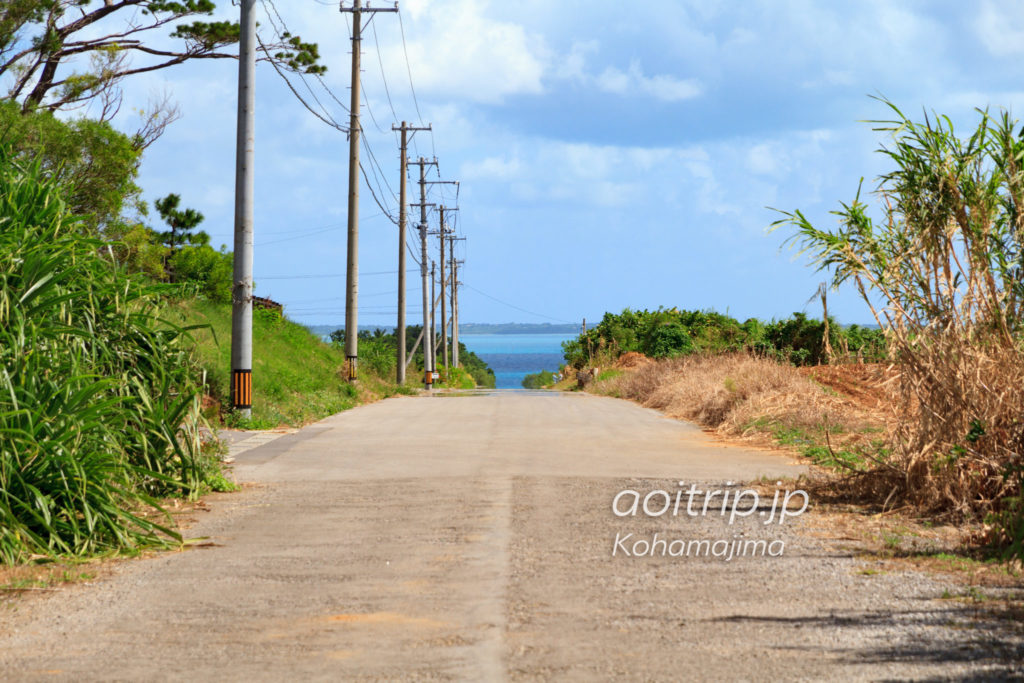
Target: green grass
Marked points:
813	444
297	378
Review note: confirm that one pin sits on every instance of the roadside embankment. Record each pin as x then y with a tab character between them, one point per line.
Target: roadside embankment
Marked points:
739	395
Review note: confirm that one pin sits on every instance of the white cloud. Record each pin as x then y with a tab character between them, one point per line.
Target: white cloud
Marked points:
457	50
1000	31
494	168
761	159
634	81
573	65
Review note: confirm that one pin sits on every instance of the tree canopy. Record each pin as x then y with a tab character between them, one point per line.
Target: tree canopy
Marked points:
95	164
182	223
61	54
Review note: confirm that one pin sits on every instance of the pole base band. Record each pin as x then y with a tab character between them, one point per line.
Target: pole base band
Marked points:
241	389
350	368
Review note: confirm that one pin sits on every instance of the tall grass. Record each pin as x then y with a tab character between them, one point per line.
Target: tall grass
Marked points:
99	407
946	261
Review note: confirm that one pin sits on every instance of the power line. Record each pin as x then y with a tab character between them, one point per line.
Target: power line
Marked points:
408	66
326	275
505	303
297	237
326	116
383	78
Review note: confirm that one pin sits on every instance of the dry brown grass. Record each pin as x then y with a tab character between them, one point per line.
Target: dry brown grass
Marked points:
959	435
737	394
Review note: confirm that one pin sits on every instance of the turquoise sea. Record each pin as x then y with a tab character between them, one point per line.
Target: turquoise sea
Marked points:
513	356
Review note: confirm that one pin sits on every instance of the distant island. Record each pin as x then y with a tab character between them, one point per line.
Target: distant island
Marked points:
518	328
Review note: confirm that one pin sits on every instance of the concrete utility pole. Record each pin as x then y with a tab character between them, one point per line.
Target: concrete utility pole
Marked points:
443	232
444	317
241	291
400	325
454	287
402	221
433	326
455	312
452	294
352	270
428	339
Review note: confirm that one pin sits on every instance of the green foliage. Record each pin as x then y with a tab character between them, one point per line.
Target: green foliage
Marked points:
539	380
378	348
459	378
99	405
481	373
379	354
96	164
40	76
669	339
208	271
183	224
136	248
666	333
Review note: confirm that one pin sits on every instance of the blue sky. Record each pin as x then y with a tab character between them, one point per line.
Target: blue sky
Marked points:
609	154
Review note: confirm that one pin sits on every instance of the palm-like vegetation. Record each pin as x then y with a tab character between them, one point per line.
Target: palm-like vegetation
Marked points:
99	406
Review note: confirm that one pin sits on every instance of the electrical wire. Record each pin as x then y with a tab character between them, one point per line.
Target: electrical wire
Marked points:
326	117
383	78
327	275
505	303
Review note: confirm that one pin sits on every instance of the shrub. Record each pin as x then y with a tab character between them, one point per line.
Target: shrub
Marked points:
667	333
538	380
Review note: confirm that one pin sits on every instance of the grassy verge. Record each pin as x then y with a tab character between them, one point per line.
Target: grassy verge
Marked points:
297	378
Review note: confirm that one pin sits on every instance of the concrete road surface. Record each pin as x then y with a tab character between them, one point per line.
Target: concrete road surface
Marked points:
473	538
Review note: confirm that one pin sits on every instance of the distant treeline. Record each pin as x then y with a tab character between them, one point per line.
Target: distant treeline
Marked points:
671	332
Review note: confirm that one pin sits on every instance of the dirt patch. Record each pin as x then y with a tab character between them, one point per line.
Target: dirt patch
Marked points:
632	359
867	384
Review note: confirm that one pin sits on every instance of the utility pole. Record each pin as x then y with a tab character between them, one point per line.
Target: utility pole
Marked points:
454	287
400	326
428	339
241	291
402	221
433	327
352	270
443	232
455	353
455	311
444	317
430	347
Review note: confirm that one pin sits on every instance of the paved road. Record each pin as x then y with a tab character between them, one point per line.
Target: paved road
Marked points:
472	538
